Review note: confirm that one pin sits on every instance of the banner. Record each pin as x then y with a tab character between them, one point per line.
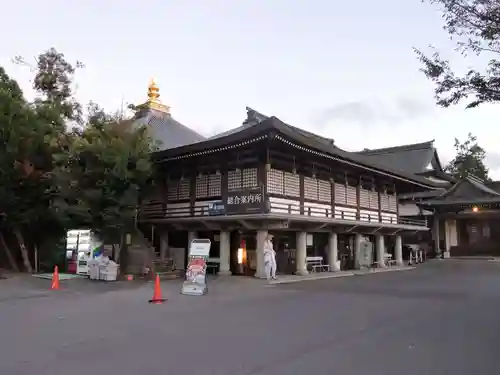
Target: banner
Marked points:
195	282
246	201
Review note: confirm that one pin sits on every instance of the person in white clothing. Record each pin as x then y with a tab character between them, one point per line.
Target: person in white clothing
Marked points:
269	258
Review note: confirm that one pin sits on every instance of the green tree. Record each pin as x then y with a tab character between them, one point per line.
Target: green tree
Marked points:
62	170
475	25
23	179
34	132
102	174
469	160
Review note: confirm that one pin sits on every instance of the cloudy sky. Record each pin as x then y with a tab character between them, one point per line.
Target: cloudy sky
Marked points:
343	69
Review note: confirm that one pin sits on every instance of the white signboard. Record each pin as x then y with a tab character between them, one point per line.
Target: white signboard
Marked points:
195	283
199	248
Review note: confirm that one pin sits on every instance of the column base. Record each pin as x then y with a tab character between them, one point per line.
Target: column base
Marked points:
302	272
381	265
260	276
400	263
446	254
224	273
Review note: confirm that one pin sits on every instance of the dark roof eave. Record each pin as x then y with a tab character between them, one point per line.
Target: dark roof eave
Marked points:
444	202
393	149
274	123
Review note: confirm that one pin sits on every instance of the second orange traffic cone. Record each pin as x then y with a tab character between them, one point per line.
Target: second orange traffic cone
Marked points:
55	279
157	298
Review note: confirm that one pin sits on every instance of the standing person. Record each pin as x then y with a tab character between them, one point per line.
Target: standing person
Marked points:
269	258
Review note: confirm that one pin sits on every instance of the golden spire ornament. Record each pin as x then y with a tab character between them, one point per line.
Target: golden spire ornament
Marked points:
153	101
153	91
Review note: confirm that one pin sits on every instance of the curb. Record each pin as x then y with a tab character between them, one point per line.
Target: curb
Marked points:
311	278
409	268
348	274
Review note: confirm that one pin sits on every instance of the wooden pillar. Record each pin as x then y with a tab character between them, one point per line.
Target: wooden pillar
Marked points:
192	189
379	187
332	185
358	197
435	235
302	194
223	183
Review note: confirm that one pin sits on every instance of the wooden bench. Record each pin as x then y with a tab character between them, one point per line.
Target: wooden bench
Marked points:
389	261
212	265
316	263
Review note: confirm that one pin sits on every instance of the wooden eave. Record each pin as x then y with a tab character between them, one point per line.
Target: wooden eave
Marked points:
274	129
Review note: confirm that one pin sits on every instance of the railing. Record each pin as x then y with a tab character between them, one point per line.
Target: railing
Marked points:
156	211
414	222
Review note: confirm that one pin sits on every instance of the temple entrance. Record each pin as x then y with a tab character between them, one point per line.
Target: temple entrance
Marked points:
473	236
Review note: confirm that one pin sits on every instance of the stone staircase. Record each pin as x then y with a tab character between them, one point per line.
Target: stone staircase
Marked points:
142	260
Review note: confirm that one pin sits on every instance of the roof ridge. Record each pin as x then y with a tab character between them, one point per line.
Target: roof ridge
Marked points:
408	147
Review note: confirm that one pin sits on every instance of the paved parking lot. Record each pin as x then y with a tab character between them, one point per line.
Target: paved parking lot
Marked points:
441	318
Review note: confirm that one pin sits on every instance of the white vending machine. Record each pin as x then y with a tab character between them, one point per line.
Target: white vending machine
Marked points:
86	245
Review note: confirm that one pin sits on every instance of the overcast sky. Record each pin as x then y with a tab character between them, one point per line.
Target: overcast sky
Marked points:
343	69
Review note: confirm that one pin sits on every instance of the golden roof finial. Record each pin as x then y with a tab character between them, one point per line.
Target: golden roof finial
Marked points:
153	91
153	101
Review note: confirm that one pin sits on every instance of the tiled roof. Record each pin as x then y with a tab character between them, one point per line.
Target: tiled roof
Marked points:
412	158
295	137
167	131
254	117
468	190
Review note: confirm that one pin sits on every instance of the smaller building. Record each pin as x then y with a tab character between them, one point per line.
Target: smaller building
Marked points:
466	218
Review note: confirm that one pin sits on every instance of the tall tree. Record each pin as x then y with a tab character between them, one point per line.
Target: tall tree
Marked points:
475	24
102	174
22	190
469	159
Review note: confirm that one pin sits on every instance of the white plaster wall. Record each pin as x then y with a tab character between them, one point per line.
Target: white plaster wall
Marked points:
451	236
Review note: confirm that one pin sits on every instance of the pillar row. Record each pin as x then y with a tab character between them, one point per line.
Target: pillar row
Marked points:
380	245
301	254
225	253
398	251
261	239
333	255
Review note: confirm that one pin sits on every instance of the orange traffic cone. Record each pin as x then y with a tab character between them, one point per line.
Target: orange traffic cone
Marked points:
157	298
55	279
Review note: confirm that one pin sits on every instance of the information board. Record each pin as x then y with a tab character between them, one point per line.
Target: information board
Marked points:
365	254
195	282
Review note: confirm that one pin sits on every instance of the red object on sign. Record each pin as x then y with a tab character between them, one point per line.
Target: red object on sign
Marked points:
195	267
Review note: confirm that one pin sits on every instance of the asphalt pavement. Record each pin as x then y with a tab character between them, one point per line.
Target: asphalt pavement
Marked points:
441	318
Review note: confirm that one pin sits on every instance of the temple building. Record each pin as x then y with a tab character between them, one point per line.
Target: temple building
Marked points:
463	215
266	176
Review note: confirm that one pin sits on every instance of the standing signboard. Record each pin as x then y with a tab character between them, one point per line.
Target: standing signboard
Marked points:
365	255
195	282
246	201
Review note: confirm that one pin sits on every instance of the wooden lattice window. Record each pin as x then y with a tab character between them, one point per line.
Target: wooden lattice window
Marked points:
214	185
202	186
393	202
178	189
172	190
310	188
234	180
184	189
291	186
275	180
351	193
324	191
384	201
340	193
374	199
249	178
242	179
364	198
